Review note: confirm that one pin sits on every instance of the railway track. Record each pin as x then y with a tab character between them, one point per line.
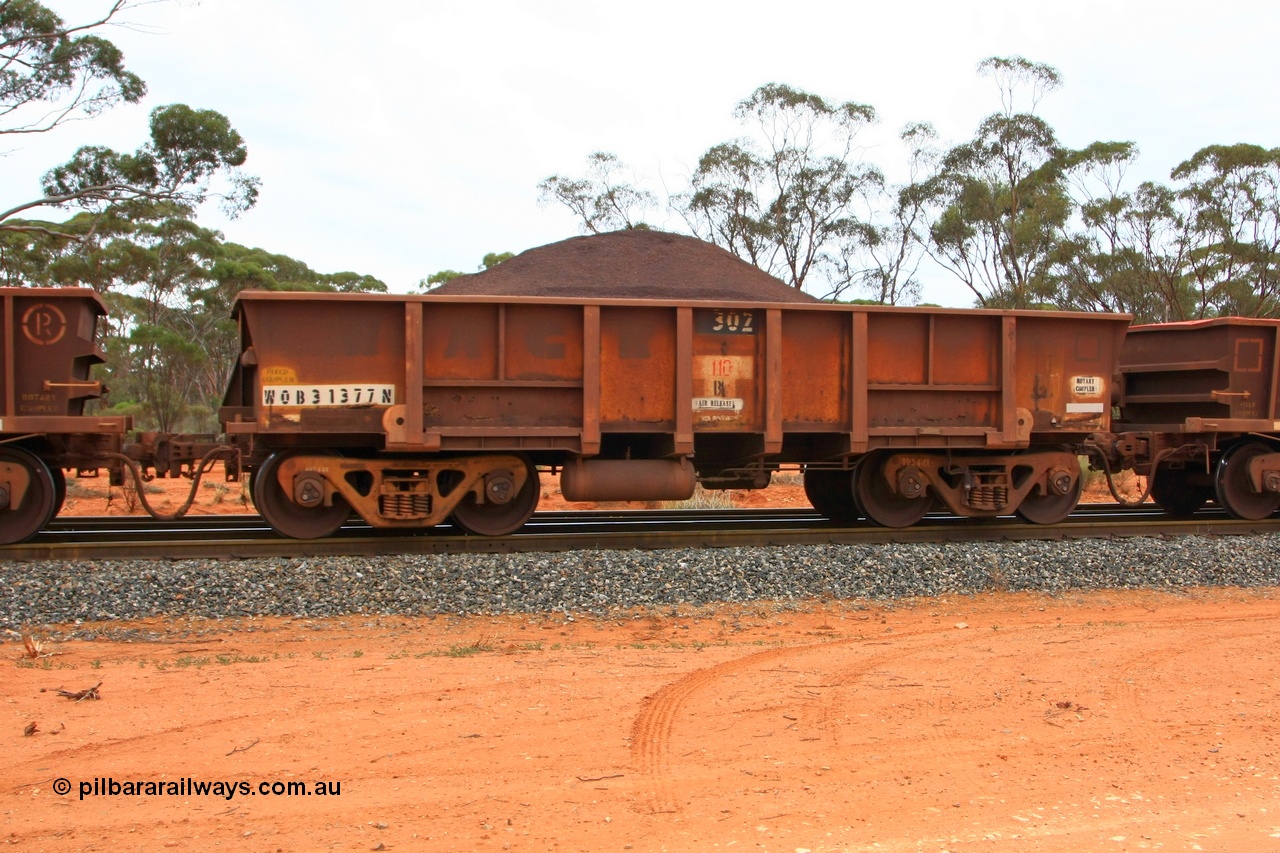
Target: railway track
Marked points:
248	536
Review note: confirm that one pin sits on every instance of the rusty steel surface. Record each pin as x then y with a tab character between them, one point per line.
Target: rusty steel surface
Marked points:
738	389
1218	375
642	379
1199	415
49	337
49	340
595	480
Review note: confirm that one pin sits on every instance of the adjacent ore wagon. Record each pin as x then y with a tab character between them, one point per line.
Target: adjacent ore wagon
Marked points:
1200	414
413	409
50	343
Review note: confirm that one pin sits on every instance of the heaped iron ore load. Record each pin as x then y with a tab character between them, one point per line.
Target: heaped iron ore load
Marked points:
635	264
640	366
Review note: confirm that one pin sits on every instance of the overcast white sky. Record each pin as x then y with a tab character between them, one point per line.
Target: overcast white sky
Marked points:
401	137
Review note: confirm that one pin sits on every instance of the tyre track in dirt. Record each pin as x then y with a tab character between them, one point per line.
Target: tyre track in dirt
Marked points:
1199	724
652	729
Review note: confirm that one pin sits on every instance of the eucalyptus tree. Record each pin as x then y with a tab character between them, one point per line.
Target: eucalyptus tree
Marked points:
1000	199
1128	251
1207	246
169	285
53	72
883	261
167	354
1113	257
490	260
786	201
86	250
1232	194
601	200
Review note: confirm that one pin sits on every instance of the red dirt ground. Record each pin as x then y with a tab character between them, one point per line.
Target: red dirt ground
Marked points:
1104	721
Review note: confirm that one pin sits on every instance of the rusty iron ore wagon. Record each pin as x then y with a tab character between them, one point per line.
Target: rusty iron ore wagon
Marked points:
411	410
50	339
1200	412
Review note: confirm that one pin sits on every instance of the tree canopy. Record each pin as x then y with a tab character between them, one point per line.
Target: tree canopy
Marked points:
1020	218
132	233
52	71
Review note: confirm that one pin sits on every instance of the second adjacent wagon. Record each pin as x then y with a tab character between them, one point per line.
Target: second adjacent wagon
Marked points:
1200	414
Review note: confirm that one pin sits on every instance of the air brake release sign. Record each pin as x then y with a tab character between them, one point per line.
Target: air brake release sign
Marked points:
1085	388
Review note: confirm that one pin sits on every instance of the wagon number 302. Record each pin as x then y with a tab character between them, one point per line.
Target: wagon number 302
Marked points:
732	322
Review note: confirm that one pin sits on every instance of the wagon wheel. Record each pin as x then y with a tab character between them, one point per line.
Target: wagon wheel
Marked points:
881	504
499	519
1050	508
1172	490
1231	484
248	487
288	517
18	524
59	491
831	493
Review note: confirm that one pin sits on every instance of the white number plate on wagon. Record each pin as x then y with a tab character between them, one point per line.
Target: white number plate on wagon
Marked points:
328	395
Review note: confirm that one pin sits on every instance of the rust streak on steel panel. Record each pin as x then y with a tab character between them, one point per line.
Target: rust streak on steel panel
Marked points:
590	439
10	380
414	369
501	343
930	348
684	381
1009	379
859	384
1275	374
773	382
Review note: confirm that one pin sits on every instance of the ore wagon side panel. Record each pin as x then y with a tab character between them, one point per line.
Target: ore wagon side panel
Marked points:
323	366
638	369
948	378
934	378
728	369
49	338
495	369
1223	372
981	410
664	379
1065	373
816	371
1199	415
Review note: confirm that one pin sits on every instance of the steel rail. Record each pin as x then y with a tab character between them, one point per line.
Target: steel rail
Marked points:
248	537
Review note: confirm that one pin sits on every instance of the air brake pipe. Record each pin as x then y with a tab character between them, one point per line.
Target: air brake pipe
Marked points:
222	451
